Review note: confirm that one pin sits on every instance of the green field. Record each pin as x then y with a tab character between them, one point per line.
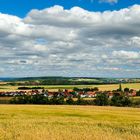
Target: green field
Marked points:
56	87
34	122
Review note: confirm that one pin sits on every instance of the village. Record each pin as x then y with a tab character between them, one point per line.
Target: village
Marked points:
73	93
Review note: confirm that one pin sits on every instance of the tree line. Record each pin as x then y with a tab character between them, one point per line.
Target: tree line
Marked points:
100	100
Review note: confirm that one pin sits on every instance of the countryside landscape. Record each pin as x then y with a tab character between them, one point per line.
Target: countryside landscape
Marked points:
70	70
58	117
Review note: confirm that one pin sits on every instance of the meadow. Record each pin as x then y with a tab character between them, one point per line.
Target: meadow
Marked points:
36	122
106	87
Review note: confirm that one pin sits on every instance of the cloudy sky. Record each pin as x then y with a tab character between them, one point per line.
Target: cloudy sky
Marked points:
95	38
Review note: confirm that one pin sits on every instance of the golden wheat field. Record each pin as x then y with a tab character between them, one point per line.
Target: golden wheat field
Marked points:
36	122
106	87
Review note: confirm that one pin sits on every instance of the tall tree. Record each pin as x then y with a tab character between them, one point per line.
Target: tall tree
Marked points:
120	87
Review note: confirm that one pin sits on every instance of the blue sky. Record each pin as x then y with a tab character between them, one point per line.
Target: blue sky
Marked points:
89	38
22	7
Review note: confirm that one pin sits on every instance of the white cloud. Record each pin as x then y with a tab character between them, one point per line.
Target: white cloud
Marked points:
74	42
109	1
126	54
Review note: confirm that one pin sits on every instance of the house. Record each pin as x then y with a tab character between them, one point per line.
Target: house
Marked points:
133	92
110	94
91	94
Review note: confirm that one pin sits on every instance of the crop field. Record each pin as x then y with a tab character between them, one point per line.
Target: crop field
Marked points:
5	100
35	122
56	87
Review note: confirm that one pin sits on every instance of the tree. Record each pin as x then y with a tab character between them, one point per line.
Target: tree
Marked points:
101	99
79	100
73	94
39	99
24	99
126	90
95	89
138	93
120	87
120	100
70	101
76	89
53	100
60	100
86	89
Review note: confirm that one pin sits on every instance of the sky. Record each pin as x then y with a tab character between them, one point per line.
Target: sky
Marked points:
85	38
22	7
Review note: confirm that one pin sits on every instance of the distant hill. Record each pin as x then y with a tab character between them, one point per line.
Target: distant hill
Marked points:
6	79
67	80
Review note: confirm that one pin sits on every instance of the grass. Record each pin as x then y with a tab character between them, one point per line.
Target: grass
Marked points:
35	122
56	87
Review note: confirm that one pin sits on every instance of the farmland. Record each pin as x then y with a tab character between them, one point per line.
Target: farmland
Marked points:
21	122
104	87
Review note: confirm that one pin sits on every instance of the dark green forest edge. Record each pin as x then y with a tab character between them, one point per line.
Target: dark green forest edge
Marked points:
66	81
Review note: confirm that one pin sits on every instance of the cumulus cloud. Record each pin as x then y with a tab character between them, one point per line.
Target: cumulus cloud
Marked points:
73	42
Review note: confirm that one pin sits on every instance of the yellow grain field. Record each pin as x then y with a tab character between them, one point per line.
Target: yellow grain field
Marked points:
36	122
56	87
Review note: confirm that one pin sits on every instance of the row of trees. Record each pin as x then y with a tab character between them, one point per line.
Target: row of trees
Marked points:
29	88
100	100
85	89
116	100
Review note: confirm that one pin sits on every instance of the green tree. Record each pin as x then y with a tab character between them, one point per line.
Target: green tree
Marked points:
95	89
138	93
101	99
70	101
79	100
126	90
60	100
120	100
24	99
120	87
76	89
39	99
